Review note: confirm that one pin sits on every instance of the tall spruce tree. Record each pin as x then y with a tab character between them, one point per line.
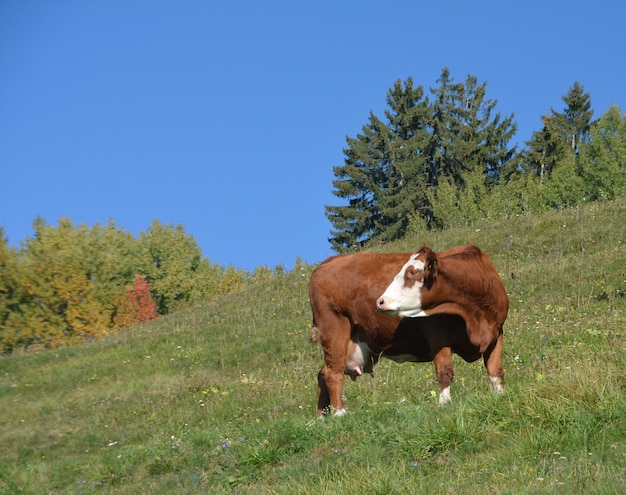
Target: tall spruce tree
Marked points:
545	149
575	119
561	135
380	174
359	181
464	134
392	166
406	171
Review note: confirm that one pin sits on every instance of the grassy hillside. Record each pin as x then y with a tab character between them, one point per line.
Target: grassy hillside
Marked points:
221	398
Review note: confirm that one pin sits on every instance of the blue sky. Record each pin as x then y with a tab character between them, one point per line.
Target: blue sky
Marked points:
228	117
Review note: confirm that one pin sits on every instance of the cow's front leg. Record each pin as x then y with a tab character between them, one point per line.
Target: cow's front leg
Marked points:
445	374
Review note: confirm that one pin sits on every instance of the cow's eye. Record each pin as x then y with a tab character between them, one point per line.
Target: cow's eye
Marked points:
411	274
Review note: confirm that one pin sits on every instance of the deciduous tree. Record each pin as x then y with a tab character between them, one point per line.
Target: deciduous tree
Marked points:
602	158
172	263
136	305
57	301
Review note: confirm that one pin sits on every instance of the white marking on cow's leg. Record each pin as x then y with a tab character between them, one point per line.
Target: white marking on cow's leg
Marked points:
339	412
444	396
496	384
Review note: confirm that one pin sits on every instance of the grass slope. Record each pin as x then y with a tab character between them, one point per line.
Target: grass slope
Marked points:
221	398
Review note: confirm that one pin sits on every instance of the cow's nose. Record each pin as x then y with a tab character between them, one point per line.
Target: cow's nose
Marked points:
380	303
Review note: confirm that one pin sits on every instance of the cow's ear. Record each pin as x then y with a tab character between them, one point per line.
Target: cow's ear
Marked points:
431	268
432	264
430	259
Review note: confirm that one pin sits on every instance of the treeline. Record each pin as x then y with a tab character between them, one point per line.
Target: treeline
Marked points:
433	162
69	284
445	159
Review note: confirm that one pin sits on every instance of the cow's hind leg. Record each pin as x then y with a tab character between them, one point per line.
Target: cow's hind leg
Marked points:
330	378
493	363
330	397
445	373
323	397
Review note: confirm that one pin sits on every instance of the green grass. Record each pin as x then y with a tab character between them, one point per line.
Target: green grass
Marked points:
221	398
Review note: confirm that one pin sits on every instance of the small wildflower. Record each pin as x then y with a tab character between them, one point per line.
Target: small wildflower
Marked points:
226	444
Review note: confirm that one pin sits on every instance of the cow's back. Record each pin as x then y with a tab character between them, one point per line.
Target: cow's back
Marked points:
351	283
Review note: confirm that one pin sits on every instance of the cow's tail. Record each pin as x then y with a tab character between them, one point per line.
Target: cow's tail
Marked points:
314	335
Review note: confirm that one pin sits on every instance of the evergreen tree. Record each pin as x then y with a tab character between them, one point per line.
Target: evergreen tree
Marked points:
575	119
561	135
405	169
392	166
545	149
358	181
384	175
466	143
464	135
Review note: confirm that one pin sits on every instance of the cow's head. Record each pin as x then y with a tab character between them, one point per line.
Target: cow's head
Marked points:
403	297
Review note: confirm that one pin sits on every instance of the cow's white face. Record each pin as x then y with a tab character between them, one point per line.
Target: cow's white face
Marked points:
403	296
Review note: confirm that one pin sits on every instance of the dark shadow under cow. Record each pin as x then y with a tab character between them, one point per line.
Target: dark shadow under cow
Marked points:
424	339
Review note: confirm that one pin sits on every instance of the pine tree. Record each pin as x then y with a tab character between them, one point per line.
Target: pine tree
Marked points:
358	181
383	177
392	167
575	119
405	169
466	143
561	135
464	134
545	149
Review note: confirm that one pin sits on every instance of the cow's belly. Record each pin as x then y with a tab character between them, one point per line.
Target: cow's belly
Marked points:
411	358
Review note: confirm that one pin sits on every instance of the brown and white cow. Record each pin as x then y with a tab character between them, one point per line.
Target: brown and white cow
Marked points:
344	294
